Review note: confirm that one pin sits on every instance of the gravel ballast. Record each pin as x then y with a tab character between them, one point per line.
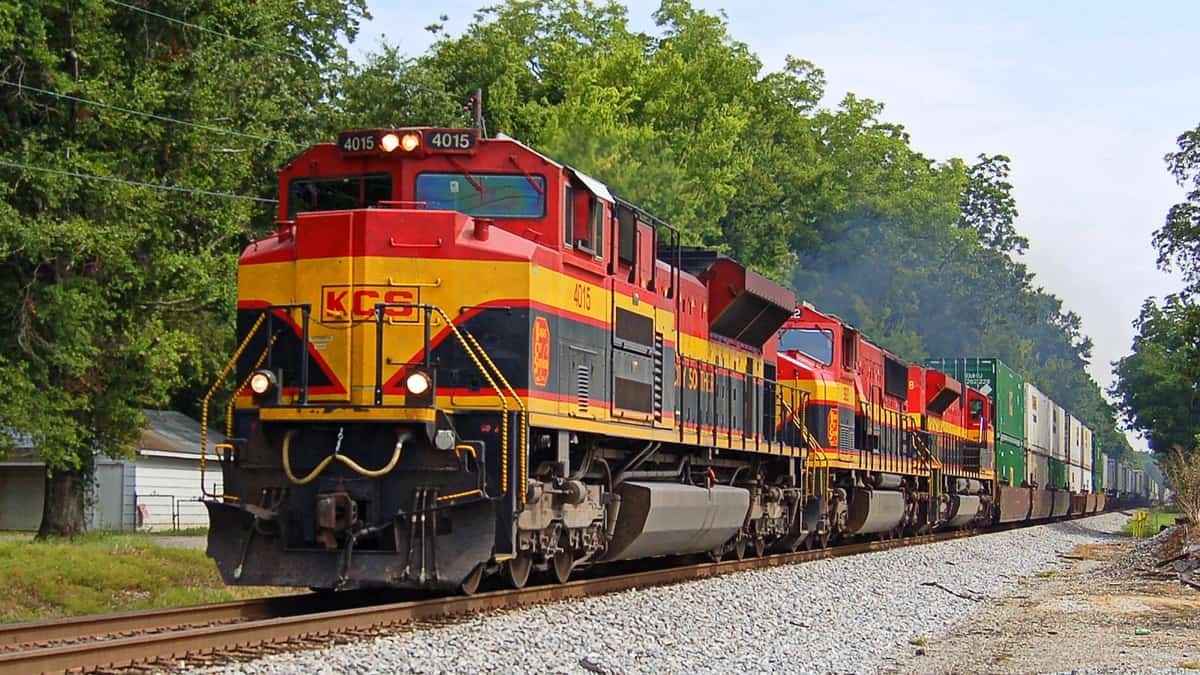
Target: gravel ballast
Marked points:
840	615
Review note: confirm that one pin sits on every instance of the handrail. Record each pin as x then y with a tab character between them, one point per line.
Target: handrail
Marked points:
245	383
213	390
483	370
523	415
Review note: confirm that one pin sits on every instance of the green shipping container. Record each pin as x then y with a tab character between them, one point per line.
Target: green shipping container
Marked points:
1058	474
1007	390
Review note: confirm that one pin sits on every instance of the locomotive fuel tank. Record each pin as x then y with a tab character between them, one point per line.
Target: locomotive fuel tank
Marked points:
659	519
966	510
873	511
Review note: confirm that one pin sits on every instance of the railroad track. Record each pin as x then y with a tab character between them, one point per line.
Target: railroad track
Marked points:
166	636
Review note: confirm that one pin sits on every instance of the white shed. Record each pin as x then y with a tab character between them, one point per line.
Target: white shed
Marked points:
158	489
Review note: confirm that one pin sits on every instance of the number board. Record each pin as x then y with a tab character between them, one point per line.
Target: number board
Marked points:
358	141
450	140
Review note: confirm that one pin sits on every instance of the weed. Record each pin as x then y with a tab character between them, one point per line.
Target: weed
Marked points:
1156	518
918	641
1190	665
1045	574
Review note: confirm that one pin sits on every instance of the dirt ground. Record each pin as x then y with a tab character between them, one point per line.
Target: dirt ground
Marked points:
1110	608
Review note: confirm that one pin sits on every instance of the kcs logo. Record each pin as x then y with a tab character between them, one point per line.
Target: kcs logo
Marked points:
834	428
541	351
342	304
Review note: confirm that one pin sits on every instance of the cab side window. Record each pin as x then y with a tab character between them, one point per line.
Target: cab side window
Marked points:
588	222
568	216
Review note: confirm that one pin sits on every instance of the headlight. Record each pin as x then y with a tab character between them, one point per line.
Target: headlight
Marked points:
389	142
417	383
410	141
262	382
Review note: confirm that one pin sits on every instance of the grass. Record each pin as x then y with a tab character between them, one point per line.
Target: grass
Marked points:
918	641
1190	665
1155	519
102	572
1045	574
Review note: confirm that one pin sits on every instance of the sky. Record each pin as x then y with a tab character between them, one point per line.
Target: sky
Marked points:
1084	97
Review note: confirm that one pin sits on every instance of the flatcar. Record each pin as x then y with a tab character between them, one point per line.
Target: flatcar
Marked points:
458	358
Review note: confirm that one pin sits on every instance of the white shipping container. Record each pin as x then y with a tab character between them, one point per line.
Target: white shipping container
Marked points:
1074	438
1087	481
1038	467
1074	478
1059	439
1088	449
1038	414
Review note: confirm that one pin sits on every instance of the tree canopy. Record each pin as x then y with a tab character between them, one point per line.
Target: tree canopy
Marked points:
137	150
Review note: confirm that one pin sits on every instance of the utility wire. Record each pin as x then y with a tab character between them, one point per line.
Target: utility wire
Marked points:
139	113
181	22
153	186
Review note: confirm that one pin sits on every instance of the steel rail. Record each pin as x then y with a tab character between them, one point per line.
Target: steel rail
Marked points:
85	627
127	651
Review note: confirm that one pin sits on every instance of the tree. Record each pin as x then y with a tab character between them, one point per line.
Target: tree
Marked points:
1158	384
1178	240
988	205
111	291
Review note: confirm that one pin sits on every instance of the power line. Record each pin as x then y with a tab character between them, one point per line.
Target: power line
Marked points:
153	186
153	116
181	22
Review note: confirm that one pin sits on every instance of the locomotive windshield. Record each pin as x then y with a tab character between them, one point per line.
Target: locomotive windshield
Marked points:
332	194
814	342
492	196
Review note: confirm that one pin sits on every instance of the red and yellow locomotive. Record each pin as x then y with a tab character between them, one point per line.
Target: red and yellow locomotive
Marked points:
458	357
893	446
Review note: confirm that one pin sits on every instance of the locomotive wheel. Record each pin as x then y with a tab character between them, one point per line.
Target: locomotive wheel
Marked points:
471	583
561	564
516	570
739	549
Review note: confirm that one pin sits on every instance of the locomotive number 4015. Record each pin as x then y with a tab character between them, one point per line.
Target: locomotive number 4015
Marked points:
440	139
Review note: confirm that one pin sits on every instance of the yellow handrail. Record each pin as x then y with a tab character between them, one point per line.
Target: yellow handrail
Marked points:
523	441
476	358
245	383
212	392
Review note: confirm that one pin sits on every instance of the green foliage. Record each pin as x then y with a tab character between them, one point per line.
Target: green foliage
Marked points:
1159	382
114	297
1178	241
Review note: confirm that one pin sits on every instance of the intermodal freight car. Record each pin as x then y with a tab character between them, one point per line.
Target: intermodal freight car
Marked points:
458	357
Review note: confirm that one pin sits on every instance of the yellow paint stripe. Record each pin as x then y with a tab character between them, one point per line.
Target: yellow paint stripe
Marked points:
338	414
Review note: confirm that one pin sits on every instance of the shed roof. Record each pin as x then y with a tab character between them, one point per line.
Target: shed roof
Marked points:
171	431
